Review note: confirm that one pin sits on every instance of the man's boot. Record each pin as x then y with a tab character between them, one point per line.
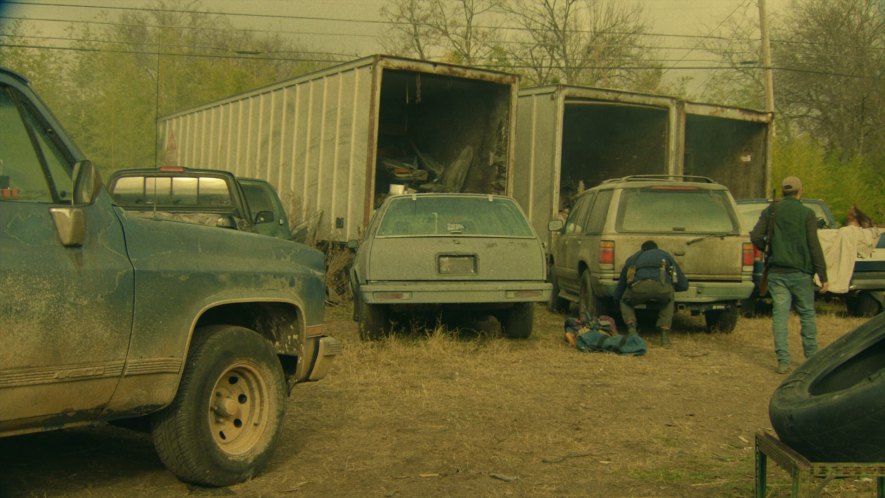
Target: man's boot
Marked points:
665	337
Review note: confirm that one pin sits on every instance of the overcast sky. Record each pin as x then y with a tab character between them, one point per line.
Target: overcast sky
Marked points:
351	27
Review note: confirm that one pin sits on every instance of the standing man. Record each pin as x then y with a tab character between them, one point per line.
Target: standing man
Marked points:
787	233
650	277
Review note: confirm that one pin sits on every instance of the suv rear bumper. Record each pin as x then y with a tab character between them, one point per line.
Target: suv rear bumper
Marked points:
699	293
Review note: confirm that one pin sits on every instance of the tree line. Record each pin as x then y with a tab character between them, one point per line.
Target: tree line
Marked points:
120	73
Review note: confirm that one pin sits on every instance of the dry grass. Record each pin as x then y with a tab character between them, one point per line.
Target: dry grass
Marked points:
468	413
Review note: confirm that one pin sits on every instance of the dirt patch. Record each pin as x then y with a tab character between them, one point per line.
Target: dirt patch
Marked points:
438	414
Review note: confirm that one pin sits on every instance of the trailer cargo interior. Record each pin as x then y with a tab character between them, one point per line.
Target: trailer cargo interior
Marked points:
569	138
335	142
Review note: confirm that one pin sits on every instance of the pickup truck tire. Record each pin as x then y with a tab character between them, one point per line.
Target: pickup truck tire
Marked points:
831	408
374	324
227	415
721	320
862	304
518	321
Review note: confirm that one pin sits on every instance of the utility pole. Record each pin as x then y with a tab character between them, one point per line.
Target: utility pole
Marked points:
766	58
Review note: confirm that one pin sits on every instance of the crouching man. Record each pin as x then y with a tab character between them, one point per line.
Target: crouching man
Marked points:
650	277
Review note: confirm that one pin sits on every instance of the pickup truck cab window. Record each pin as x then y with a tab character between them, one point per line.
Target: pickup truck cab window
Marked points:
32	168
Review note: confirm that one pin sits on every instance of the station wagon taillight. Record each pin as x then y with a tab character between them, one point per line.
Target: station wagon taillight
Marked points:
748	256
606	254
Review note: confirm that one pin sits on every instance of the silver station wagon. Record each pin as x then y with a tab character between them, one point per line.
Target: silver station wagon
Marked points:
453	253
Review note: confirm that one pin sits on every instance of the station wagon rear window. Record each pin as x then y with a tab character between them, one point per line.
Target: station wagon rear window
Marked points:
684	209
453	216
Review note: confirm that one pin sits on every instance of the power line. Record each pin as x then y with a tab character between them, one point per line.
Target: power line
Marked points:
487	66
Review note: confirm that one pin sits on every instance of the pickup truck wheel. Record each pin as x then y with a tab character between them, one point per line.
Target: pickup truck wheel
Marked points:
227	415
862	304
373	323
518	321
556	303
721	320
831	408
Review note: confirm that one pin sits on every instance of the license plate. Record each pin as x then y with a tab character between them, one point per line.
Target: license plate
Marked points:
457	265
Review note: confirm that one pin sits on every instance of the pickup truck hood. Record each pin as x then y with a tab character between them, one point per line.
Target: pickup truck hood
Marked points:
496	258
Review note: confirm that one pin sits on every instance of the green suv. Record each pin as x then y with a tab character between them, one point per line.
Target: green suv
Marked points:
693	218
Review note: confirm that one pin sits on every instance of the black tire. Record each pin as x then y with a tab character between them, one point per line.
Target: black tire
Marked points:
862	304
373	324
556	304
518	321
589	302
831	408
226	418
721	320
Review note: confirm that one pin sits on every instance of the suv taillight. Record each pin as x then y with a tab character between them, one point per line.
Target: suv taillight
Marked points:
748	256
606	255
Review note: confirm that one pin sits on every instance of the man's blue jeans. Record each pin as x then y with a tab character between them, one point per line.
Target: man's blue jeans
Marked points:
784	288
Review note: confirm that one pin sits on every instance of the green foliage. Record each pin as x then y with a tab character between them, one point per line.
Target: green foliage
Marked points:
124	72
840	183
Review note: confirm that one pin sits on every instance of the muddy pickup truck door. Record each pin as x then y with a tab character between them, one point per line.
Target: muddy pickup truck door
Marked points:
66	284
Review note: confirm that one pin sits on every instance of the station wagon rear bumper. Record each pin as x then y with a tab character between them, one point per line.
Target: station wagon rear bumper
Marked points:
450	292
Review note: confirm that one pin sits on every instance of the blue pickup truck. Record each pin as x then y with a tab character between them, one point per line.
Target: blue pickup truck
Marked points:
106	316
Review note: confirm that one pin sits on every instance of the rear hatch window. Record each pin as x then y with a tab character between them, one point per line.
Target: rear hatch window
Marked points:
669	209
453	216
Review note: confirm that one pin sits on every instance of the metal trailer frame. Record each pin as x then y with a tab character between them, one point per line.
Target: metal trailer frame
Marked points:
315	135
540	134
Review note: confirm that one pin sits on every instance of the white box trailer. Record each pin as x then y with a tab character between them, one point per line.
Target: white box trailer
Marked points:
568	138
336	141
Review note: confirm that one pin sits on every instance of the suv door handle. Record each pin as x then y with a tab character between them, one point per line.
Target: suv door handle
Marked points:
679	253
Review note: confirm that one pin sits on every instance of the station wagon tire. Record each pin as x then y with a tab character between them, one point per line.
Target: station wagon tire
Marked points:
556	304
831	408
224	422
862	304
721	320
374	324
518	321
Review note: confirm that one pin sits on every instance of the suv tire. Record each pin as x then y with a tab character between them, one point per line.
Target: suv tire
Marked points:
589	302
721	320
556	304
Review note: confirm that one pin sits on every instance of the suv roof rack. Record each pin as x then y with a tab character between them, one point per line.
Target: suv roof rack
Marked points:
682	178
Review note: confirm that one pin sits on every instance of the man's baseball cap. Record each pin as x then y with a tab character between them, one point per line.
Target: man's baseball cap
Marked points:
791	184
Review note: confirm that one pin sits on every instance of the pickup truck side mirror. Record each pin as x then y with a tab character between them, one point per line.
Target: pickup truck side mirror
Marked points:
70	221
226	222
554	225
86	183
264	217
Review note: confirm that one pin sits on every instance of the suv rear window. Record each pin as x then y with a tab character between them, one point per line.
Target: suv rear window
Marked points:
675	209
463	216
